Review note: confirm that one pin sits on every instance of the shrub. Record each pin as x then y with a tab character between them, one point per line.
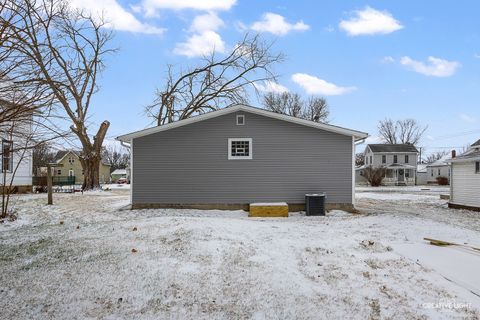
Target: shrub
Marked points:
442	181
374	176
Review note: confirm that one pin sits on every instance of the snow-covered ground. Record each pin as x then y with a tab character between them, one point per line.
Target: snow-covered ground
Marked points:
75	259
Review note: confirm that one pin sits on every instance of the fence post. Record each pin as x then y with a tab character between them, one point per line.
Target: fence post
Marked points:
49	184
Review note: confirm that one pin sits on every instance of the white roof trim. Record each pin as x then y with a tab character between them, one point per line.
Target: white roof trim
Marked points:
327	127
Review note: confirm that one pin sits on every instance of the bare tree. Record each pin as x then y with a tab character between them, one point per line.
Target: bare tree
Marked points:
220	81
359	159
116	157
435	156
42	155
285	103
374	175
63	50
314	109
388	131
407	131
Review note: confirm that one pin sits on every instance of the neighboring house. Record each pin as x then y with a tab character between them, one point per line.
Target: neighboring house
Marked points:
17	163
239	155
118	173
439	168
399	160
73	168
422	178
465	179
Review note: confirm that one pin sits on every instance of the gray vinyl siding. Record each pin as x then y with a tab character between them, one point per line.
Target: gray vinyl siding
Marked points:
189	164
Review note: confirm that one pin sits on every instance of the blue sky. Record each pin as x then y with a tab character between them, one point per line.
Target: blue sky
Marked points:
371	60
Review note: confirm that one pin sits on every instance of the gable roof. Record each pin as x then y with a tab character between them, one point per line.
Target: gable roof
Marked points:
392	148
476	143
443	161
323	126
63	153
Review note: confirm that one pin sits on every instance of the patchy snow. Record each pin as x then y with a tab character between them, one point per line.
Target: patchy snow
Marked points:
429	189
75	259
116	186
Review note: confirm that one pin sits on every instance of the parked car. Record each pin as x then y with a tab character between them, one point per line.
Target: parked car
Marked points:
123	181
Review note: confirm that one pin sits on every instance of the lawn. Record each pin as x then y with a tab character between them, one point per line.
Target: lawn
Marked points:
87	256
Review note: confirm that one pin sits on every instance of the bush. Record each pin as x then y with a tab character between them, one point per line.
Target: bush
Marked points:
442	181
374	176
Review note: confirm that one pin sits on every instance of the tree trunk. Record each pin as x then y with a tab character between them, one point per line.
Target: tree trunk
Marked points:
91	172
91	156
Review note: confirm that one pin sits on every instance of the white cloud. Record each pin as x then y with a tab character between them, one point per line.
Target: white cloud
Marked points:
206	22
476	55
151	7
204	38
314	85
434	67
276	24
387	59
271	86
200	44
116	16
467	118
370	21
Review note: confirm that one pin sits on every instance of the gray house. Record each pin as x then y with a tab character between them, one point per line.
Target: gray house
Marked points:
238	155
400	161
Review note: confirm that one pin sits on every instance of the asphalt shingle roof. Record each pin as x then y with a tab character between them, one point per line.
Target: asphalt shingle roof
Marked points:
392	148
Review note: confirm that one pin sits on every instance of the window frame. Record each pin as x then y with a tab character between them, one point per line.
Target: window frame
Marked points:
10	156
477	167
395	158
407	158
384	158
250	149
240	116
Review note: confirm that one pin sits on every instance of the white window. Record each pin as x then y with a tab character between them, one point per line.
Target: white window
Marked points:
7	156
240	119
71	173
240	148
477	167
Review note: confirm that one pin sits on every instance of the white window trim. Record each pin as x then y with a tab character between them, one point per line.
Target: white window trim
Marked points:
241	116
229	148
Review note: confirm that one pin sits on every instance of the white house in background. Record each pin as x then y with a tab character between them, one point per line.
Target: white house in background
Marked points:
400	161
16	160
465	179
439	168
